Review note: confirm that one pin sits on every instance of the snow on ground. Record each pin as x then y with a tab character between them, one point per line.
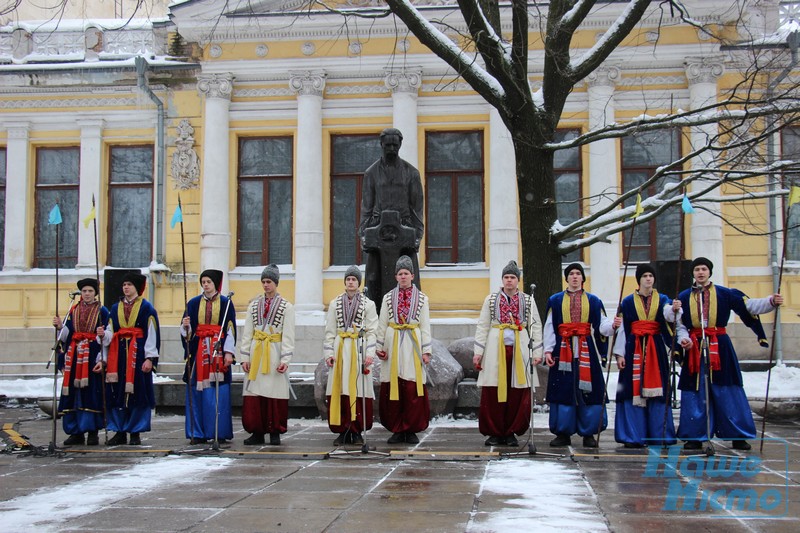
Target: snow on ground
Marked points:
41	387
545	496
54	506
784	383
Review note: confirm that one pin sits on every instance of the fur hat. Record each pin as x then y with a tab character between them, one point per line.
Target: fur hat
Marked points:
89	282
138	280
271	272
703	261
404	263
512	268
574	266
354	271
643	269
213	275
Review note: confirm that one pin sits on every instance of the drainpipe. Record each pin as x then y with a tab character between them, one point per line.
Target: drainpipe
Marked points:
792	41
160	201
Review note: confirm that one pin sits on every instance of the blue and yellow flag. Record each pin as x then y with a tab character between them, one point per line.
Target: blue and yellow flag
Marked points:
794	195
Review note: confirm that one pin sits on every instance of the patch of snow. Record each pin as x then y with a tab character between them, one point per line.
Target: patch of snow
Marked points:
48	509
541	496
784	383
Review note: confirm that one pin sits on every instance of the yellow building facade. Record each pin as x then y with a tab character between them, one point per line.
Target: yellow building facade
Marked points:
261	124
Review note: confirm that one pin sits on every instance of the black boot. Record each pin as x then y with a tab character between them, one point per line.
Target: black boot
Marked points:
511	440
358	438
737	445
561	440
92	439
411	438
275	439
119	438
254	439
135	439
589	442
397	437
339	440
693	445
74	440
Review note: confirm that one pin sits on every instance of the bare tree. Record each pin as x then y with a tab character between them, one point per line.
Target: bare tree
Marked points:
497	67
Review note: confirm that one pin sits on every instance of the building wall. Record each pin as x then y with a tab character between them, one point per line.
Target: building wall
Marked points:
59	106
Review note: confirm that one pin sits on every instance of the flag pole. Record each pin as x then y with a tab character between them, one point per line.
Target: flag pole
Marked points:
775	320
188	368
627	254
55	219
93	216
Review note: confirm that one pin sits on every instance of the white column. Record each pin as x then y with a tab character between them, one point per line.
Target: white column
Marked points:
603	177
405	84
18	241
706	233
90	171
215	231
309	226
503	231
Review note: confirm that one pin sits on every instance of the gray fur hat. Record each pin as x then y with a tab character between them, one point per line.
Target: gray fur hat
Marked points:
404	263
512	268
354	271
271	272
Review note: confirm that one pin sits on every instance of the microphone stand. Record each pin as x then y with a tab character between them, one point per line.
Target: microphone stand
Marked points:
215	358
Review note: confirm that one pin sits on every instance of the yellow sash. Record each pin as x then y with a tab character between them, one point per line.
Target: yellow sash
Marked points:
502	371
335	415
261	338
394	387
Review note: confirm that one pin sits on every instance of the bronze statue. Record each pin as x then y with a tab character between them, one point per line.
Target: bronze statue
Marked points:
391	216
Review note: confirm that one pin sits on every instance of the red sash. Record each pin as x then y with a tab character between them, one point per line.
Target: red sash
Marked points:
79	345
645	361
581	330
713	348
129	334
205	358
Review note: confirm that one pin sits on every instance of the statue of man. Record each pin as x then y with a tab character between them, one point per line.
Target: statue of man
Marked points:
391	185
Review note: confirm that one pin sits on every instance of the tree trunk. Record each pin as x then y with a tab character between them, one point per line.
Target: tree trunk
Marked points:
537	209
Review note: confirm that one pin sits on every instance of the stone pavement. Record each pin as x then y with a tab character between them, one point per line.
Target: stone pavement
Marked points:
443	484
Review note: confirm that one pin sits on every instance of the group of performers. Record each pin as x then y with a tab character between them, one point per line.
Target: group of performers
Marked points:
108	359
107	362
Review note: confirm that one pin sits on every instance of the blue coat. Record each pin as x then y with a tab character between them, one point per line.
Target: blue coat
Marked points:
562	387
228	321
143	394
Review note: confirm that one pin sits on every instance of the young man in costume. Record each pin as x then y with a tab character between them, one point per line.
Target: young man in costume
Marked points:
576	329
351	316
644	414
266	350
81	403
208	334
404	346
508	319
135	340
707	309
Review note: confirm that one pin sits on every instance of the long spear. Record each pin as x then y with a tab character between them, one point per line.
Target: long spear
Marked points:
794	197
636	212
55	219
686	209
93	217
177	217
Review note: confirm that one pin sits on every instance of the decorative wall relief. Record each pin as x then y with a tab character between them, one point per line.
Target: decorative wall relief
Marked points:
185	163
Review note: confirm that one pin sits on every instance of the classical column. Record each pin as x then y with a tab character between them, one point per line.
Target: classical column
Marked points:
604	176
309	226
404	85
18	240
706	230
90	171
215	231
503	204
